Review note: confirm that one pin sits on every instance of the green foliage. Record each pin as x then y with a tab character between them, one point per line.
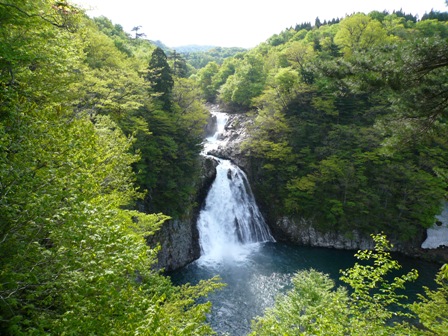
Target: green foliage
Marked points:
169	147
314	307
138	90
432	308
374	295
161	78
71	261
178	64
359	32
349	129
246	83
205	80
200	59
310	308
73	256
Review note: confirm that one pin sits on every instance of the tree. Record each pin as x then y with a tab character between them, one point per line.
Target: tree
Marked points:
245	84
137	34
73	256
314	307
179	65
169	142
205	80
432	307
110	83
299	54
72	260
359	32
161	79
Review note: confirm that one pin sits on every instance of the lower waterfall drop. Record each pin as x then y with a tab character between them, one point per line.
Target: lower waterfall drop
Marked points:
230	224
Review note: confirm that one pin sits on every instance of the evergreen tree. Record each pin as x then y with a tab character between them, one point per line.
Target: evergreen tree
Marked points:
179	65
160	76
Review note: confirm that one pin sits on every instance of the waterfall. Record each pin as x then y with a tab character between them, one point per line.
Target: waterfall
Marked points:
230	223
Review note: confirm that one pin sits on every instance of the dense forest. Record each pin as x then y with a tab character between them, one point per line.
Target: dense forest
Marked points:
350	120
92	123
97	124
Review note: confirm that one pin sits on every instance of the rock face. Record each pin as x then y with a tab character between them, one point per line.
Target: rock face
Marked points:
178	241
303	233
235	132
179	238
211	126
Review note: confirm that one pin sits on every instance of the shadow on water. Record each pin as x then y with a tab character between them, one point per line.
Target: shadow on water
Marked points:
254	281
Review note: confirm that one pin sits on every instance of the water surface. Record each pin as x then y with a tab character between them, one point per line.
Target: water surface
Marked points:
264	270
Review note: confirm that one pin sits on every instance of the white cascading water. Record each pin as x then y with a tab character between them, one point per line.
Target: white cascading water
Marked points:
230	224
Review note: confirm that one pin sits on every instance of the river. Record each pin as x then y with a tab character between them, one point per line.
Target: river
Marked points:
254	281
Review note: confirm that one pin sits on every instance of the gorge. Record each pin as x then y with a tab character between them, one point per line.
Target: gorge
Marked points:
113	223
237	246
179	238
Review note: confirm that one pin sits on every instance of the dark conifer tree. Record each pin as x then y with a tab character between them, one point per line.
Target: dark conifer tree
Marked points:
160	75
179	66
435	15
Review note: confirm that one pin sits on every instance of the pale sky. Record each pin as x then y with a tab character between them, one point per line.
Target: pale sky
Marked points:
235	23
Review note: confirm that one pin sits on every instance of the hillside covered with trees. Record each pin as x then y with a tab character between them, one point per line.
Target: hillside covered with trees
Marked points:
91	122
96	124
350	126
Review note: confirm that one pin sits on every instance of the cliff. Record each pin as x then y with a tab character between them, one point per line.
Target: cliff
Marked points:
178	238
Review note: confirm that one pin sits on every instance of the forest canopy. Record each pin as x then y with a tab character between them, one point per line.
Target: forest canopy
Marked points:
350	120
80	112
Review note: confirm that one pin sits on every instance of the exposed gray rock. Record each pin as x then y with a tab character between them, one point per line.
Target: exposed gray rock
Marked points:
211	126
235	134
178	244
208	175
302	232
179	238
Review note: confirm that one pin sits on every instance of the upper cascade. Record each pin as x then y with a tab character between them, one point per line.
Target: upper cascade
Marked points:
216	138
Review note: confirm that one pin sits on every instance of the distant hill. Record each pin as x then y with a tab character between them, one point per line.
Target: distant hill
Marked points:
161	45
193	48
201	57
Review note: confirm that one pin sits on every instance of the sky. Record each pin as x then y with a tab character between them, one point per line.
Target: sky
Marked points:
235	23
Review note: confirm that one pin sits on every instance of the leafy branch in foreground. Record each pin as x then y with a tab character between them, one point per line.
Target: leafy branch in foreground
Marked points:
73	258
372	292
371	306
